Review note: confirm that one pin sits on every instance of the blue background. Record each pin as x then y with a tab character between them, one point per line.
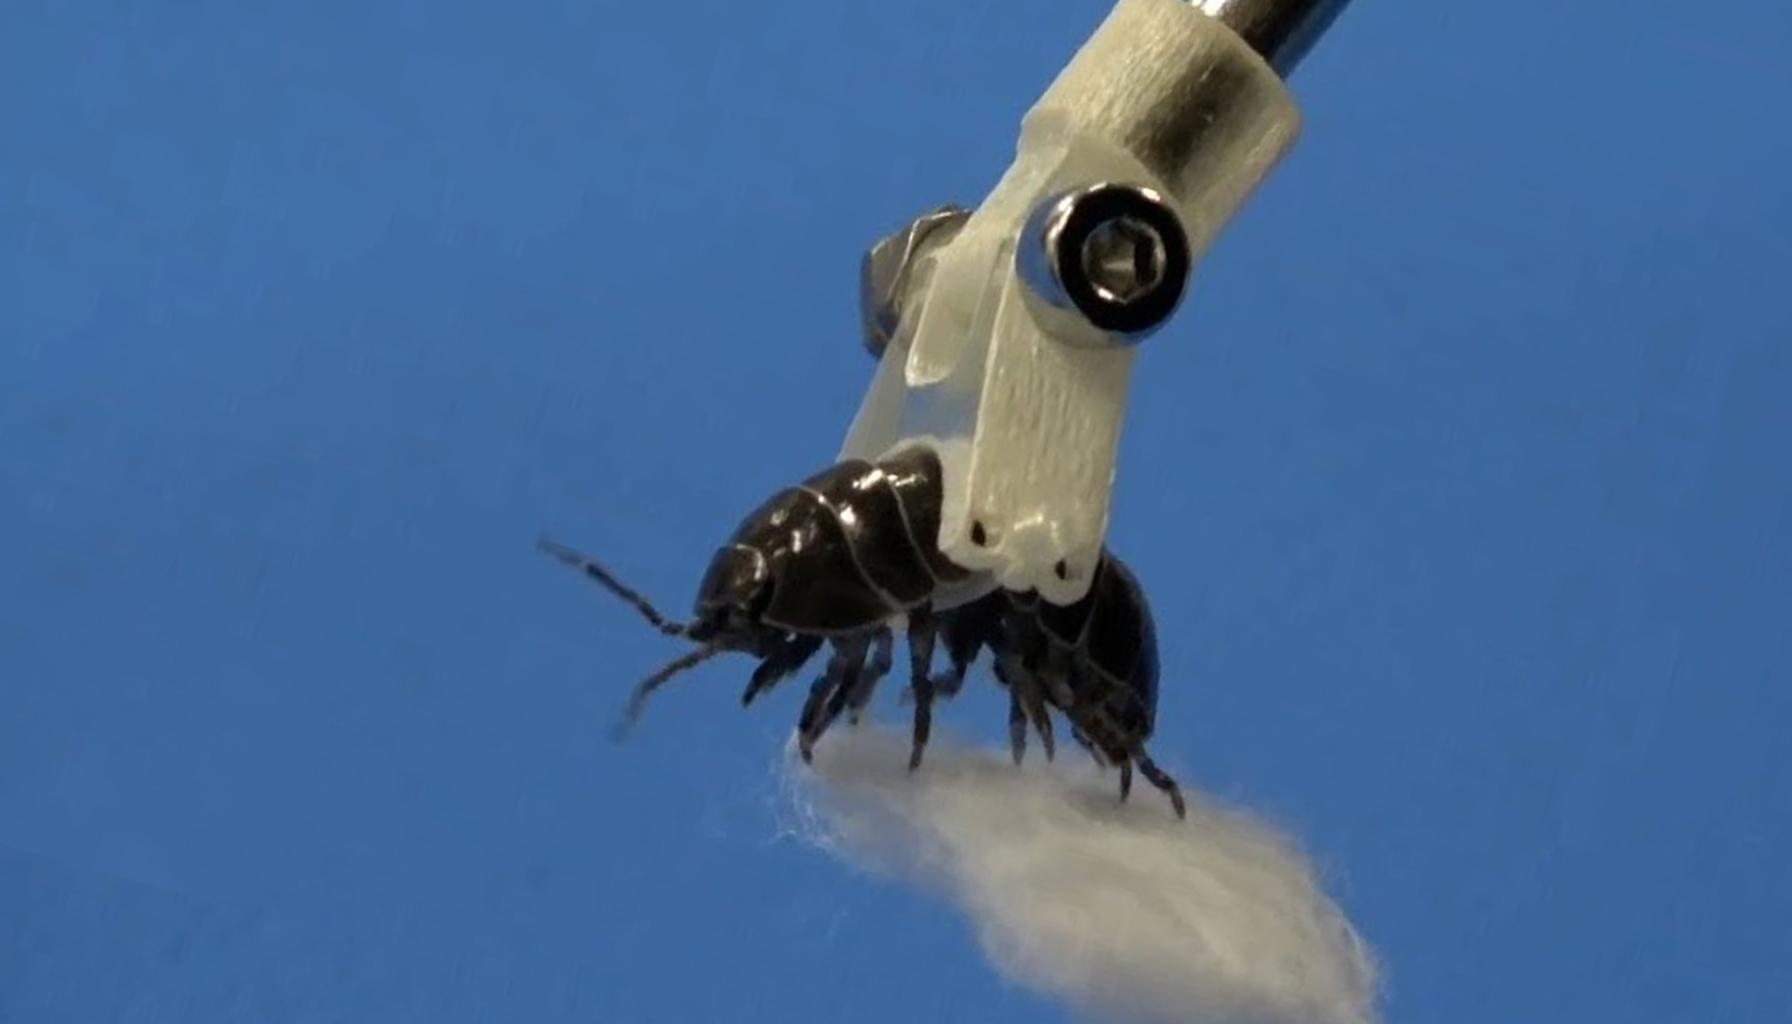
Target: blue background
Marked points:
1461	486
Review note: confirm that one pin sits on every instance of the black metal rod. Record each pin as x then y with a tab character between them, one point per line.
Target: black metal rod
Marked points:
1282	31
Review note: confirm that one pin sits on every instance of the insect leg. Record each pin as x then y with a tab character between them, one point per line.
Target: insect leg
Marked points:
921	631
777	666
1017	726
1161	779
1026	692
860	679
959	656
1088	744
966	631
1125	780
1007	671
882	656
827	696
1042	720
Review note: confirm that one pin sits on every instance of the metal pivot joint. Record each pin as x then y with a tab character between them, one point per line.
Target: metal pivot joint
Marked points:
1006	333
887	271
1114	254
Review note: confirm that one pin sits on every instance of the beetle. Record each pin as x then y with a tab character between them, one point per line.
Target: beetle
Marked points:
848	555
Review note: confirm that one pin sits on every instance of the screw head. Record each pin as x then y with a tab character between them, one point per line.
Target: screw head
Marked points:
1114	254
1124	259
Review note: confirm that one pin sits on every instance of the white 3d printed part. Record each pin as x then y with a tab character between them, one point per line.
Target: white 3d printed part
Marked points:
1023	403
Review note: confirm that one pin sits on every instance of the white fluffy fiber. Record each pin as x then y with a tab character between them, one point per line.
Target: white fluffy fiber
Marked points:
1121	910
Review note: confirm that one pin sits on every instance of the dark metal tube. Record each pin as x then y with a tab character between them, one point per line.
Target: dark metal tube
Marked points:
1282	31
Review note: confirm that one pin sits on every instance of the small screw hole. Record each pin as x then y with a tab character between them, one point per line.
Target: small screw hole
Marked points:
1061	570
979	536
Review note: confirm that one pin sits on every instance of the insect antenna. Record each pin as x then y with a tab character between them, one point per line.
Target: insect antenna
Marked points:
586	565
636	702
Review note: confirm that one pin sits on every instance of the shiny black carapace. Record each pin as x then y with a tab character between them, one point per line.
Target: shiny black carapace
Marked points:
849	554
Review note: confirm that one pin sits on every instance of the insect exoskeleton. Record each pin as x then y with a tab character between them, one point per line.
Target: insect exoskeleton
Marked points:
851	553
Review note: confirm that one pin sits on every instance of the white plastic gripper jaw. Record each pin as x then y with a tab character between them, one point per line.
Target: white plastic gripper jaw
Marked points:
1006	335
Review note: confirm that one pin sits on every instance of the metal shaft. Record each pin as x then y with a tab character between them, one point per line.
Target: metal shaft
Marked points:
1282	31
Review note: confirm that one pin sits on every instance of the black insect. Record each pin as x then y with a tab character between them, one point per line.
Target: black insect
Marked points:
848	555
